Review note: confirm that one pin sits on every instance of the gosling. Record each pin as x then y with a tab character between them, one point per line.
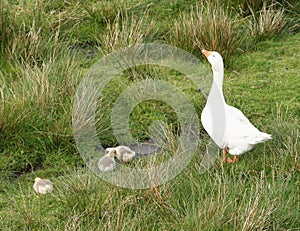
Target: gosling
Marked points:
107	163
123	153
42	186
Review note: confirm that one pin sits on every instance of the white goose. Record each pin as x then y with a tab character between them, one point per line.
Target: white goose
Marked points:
226	125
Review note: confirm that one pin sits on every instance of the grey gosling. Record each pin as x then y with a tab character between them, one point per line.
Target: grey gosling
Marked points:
107	163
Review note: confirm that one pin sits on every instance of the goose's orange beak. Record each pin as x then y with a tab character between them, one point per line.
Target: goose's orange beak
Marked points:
206	53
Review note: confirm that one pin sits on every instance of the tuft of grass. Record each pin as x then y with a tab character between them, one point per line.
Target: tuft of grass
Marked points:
217	26
209	26
125	30
104	12
269	22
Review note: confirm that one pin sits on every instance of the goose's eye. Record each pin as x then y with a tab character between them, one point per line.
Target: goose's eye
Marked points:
213	55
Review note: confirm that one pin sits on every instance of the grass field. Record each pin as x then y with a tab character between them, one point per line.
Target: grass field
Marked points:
47	49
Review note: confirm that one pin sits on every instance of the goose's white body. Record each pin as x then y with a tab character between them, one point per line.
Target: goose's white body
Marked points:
226	125
239	134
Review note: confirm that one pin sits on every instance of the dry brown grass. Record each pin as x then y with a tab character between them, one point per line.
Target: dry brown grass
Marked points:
269	22
208	26
126	30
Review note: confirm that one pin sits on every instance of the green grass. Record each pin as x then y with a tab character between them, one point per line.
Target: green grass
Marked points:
47	48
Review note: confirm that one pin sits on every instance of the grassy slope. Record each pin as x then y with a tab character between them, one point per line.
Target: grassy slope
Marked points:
259	192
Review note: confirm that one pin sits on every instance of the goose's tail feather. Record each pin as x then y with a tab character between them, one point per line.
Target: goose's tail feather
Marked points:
262	137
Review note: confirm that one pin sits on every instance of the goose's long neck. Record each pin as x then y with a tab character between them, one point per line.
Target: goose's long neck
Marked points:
218	76
216	91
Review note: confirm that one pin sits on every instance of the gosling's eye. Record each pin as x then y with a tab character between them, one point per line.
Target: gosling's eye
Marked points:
213	55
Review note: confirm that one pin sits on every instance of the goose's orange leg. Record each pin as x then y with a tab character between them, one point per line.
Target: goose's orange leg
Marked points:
228	159
235	158
224	152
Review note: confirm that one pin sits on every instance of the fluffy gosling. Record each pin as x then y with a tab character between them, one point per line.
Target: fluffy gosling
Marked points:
123	153
107	163
42	186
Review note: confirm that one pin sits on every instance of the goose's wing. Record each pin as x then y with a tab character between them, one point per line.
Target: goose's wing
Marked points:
236	115
240	134
238	125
